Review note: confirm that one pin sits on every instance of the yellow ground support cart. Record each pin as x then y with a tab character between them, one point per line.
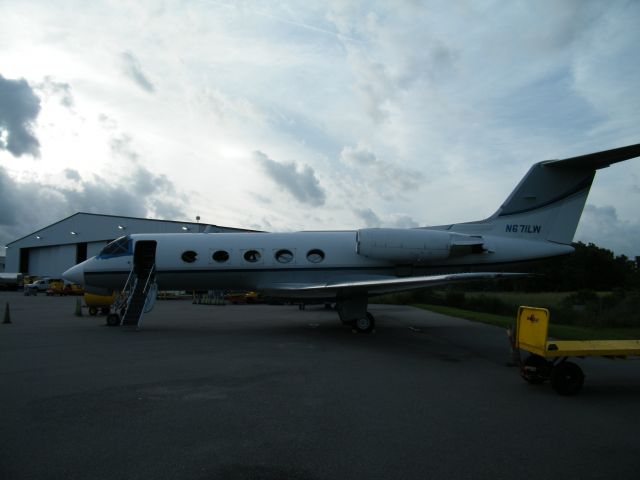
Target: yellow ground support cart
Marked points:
99	302
548	358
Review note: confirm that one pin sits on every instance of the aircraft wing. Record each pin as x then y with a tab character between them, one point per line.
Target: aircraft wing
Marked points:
374	285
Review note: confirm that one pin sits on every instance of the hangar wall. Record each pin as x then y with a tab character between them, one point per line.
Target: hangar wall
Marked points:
53	249
51	261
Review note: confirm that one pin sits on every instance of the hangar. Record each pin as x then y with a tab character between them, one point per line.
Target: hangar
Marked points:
53	249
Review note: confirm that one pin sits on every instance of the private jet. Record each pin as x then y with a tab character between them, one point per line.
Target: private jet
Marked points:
537	220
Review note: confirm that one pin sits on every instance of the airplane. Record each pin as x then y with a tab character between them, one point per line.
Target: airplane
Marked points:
537	220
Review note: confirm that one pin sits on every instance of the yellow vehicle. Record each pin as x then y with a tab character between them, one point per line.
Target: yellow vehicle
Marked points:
99	302
548	358
60	287
74	289
242	297
56	287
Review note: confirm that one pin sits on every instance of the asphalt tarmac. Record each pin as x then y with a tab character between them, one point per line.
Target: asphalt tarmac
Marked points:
272	392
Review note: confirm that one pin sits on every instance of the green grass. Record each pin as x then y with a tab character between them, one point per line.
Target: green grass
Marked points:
564	332
543	299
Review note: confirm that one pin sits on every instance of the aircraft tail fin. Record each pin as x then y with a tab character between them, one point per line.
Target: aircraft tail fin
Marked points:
547	203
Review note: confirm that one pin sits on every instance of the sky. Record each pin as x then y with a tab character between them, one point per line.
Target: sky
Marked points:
292	115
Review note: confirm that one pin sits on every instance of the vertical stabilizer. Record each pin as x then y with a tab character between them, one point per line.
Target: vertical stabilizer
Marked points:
547	203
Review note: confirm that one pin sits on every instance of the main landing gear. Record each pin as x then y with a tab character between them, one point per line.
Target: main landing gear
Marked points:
353	312
366	324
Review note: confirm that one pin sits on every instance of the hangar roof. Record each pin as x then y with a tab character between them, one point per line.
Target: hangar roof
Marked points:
94	227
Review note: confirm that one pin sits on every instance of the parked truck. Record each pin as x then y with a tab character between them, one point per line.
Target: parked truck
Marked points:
10	281
41	285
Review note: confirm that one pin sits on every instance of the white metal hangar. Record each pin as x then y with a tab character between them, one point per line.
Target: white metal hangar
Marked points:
51	250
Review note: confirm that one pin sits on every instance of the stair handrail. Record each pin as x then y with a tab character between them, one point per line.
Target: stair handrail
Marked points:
147	291
125	293
126	284
151	272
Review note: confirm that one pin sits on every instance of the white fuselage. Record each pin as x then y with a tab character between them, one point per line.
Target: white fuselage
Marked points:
313	257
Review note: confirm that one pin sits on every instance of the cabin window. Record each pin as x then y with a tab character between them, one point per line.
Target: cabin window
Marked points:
284	256
252	256
189	256
220	256
315	255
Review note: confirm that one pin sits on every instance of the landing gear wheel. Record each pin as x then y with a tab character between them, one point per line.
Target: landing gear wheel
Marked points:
567	378
535	369
365	324
113	320
93	311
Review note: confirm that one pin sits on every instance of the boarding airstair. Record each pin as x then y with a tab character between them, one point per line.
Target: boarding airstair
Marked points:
139	293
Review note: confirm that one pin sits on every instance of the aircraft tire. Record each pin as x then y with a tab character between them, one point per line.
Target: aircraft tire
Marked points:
535	369
567	378
113	320
365	325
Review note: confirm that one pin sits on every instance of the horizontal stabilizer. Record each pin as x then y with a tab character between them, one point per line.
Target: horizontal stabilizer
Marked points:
597	160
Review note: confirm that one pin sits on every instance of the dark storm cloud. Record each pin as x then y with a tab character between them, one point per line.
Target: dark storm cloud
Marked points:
19	108
299	182
23	203
131	67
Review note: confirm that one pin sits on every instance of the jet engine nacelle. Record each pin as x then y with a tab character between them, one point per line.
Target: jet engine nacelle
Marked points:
403	245
414	245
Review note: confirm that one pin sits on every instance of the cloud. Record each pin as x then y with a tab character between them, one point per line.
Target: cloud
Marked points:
122	145
30	205
131	67
145	183
61	90
373	85
395	58
401	220
601	225
299	182
71	174
142	180
19	108
387	177
369	217
394	220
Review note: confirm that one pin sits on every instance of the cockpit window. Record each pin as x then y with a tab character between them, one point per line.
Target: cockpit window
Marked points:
120	246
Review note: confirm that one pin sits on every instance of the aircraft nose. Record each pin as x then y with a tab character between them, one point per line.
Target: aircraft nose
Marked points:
75	274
